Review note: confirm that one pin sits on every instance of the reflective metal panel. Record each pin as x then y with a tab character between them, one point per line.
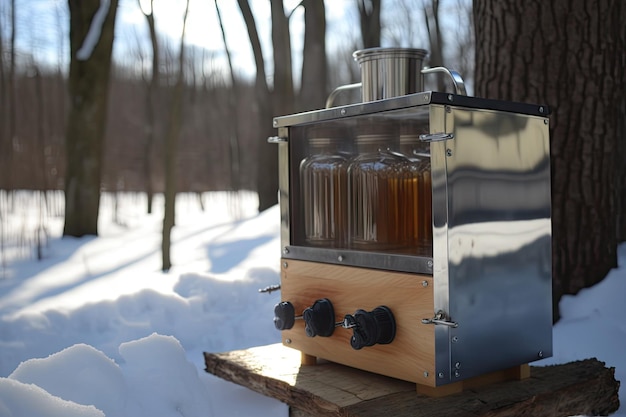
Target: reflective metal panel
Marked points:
283	185
499	234
439	172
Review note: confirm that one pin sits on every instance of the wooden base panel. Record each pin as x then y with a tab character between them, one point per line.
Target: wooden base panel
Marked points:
409	296
512	374
515	373
329	389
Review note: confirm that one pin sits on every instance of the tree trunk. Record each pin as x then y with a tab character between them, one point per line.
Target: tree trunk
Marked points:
150	122
570	56
233	99
171	152
91	42
8	117
621	157
369	14
283	94
313	90
431	18
267	178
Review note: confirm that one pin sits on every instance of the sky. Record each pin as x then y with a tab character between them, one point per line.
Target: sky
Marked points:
47	41
95	328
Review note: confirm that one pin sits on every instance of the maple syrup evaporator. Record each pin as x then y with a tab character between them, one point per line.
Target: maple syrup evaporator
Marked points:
416	228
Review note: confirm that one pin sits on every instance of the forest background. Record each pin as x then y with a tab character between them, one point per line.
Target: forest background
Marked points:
175	111
216	118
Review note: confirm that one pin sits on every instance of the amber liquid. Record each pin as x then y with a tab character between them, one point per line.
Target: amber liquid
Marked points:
409	205
376	212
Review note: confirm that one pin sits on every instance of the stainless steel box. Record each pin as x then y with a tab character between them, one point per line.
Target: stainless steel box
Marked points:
489	259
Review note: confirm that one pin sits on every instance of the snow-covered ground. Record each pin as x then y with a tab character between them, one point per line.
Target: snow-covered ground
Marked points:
95	328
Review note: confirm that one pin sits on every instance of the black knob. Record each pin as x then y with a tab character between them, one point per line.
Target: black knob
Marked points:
370	328
284	315
319	319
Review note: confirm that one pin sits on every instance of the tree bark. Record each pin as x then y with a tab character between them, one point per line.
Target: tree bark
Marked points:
88	91
328	389
313	90
233	99
431	18
283	101
151	99
369	14
267	178
8	118
283	73
569	55
171	152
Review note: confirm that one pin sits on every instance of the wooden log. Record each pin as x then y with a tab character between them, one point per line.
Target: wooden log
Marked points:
328	389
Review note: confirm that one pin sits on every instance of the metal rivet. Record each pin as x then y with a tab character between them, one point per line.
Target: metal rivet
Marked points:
425	374
285	264
429	264
540	354
343	112
457	374
449	152
457	365
275	122
285	250
440	375
545	121
288	341
455	339
424	283
450	97
541	109
448	109
340	258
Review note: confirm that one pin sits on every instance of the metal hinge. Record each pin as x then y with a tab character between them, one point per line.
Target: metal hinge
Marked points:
436	137
442	319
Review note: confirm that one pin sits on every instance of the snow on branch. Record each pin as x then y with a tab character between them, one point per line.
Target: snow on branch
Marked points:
95	29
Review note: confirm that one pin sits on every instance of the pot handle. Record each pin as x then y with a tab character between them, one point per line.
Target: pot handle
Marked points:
457	80
331	98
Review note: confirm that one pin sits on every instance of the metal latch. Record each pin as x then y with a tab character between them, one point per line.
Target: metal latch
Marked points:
442	319
276	139
436	137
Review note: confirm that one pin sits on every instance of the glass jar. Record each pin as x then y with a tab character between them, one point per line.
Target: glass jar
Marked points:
417	204
375	221
323	187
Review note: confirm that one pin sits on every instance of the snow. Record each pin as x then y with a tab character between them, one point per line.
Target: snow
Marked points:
96	329
95	29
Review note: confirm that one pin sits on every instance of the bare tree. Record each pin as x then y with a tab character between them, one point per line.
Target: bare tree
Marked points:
369	15
313	90
92	26
8	117
267	178
525	52
171	150
284	97
433	26
233	138
151	98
